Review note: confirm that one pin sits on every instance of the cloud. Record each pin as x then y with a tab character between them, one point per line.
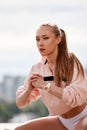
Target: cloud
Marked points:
19	20
44	2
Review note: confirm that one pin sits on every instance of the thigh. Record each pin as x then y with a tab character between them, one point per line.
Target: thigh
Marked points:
45	123
82	124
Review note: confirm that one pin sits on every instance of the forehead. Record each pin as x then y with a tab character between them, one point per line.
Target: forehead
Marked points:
44	30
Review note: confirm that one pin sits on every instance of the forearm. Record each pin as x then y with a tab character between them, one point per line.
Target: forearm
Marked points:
22	99
72	95
56	91
38	82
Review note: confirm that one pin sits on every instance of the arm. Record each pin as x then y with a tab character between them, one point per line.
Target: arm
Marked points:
72	95
75	93
38	82
26	94
23	94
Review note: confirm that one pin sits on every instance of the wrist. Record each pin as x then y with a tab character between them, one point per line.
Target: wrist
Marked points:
29	89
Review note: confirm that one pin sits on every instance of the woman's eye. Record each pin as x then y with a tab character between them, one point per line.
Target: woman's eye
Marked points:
37	39
46	38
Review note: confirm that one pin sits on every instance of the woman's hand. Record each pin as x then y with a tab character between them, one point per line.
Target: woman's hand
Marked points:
37	81
28	84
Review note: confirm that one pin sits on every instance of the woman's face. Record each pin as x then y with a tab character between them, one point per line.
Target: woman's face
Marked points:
46	41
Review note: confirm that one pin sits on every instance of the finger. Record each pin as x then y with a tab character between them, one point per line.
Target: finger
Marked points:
37	75
34	78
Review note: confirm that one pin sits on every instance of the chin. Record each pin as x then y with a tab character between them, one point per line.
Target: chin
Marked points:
43	54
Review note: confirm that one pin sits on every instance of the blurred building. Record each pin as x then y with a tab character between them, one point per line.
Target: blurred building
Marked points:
8	87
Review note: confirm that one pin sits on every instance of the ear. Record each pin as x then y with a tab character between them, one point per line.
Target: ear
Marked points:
58	40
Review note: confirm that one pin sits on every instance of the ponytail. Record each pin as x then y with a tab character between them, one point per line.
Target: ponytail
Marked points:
65	62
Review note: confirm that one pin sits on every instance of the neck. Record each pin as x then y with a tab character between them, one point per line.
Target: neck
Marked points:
52	58
51	61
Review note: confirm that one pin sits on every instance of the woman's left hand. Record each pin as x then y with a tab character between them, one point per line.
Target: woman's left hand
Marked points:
37	81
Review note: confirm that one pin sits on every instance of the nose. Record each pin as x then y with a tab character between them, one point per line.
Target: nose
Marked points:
40	43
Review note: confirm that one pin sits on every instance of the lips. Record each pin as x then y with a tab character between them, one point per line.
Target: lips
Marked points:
41	49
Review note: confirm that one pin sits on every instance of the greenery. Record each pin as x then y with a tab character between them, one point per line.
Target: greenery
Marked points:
7	110
38	108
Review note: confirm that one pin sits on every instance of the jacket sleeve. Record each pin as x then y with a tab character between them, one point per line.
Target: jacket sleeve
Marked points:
35	94
76	93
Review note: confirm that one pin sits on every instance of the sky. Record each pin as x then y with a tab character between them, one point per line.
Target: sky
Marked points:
19	20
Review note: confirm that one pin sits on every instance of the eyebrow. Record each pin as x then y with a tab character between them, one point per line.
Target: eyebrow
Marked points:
42	35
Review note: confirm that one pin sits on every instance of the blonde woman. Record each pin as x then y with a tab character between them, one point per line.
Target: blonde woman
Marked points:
66	91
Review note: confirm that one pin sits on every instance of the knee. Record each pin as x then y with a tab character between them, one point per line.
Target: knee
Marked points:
82	125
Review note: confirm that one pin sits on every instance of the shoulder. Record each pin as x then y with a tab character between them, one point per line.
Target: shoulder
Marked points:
39	63
74	58
38	66
75	62
78	69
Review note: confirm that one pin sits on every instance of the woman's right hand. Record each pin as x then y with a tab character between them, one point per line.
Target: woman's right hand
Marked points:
22	98
28	84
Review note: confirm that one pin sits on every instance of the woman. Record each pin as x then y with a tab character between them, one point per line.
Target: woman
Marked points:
65	95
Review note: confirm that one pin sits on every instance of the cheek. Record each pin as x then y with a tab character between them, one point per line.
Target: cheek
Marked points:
52	44
49	43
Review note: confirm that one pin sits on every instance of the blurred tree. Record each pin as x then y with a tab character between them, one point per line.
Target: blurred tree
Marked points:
38	108
8	110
